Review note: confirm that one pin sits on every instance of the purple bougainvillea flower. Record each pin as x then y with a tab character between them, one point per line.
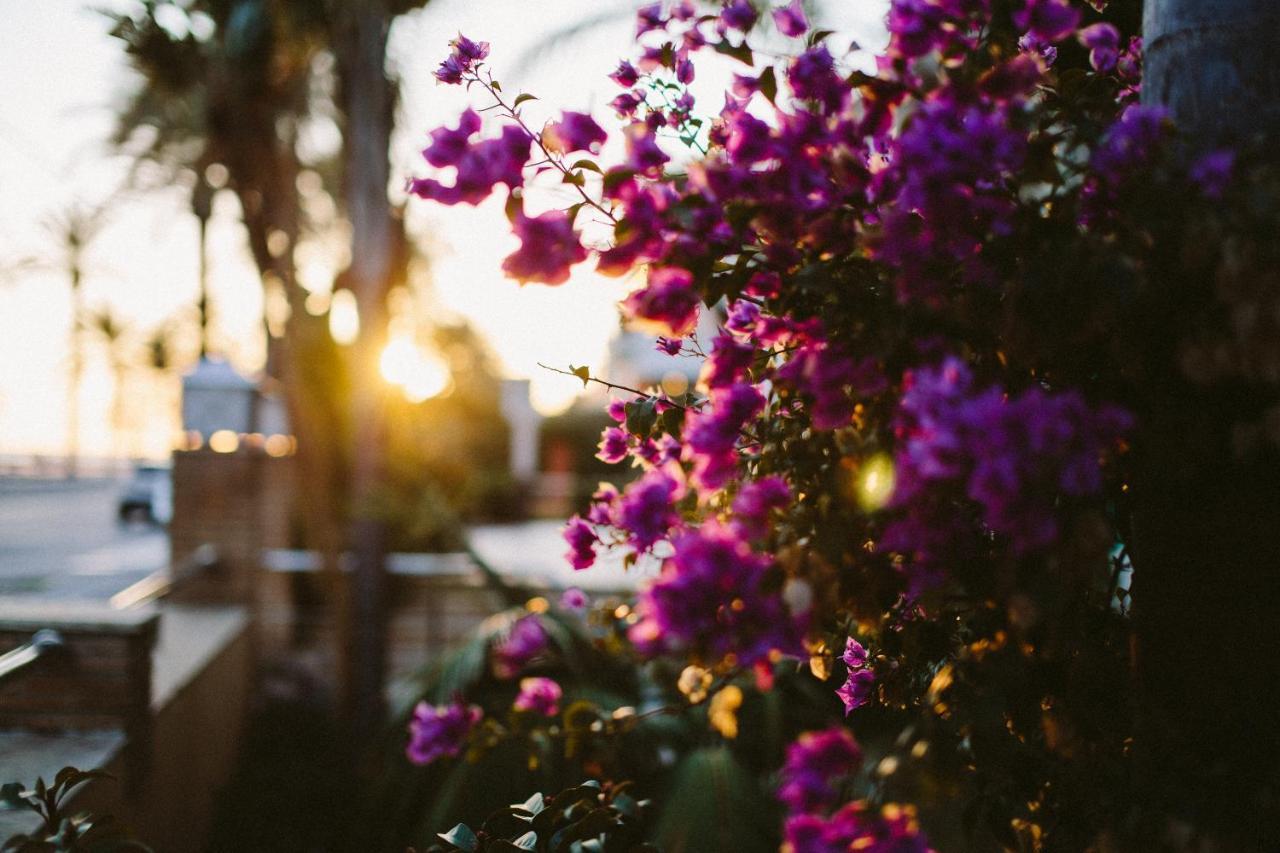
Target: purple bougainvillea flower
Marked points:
791	20
856	690
603	505
755	501
709	596
626	104
582	541
857	826
450	145
613	446
526	640
1103	42
644	156
1046	52
549	247
855	655
738	15
668	301
574	132
466	53
646	509
1047	20
451	70
539	696
649	18
1213	171
574	599
749	139
437	731
480	165
812	76
728	362
625	75
711	434
816	767
472	51
684	70
671	346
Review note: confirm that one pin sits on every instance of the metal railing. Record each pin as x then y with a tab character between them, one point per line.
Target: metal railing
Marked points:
44	642
157	585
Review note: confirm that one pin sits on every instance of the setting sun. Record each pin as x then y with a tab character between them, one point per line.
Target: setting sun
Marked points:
422	374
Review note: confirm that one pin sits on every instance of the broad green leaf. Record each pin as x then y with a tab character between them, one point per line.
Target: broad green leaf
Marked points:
461	837
740	52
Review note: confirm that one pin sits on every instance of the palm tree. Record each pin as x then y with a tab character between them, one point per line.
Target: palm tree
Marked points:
1207	520
114	335
237	97
74	229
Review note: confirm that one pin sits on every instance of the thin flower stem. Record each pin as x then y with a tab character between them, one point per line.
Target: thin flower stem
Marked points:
537	140
612	385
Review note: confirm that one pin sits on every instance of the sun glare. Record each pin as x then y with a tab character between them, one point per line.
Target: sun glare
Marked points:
422	374
344	317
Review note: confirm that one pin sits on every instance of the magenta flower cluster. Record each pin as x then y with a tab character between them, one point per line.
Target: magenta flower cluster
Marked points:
710	600
440	731
539	696
818	770
842	226
524	642
858	684
1016	457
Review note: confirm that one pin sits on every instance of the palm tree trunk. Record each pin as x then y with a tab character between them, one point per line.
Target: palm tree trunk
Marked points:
1213	63
367	100
1207	519
74	373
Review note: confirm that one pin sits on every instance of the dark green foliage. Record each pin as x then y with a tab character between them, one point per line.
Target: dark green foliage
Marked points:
586	818
60	831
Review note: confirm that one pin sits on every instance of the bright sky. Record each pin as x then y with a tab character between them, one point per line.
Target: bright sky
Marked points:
60	76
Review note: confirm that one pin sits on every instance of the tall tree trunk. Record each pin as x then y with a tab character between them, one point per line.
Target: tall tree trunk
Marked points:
367	101
74	373
1213	63
1207	516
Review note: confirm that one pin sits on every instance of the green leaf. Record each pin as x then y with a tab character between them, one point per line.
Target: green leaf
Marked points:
615	177
521	98
497	87
574	178
817	36
11	795
769	84
715	806
573	210
534	804
515	205
589	165
460	837
583	373
641	414
740	52
672	421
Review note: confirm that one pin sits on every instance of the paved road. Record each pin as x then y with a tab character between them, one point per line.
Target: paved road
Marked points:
60	539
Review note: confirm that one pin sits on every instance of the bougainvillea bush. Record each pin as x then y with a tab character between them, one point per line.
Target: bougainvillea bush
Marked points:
904	471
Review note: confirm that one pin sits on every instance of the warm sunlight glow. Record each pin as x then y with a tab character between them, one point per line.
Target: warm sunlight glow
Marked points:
278	445
420	373
344	317
224	441
875	482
